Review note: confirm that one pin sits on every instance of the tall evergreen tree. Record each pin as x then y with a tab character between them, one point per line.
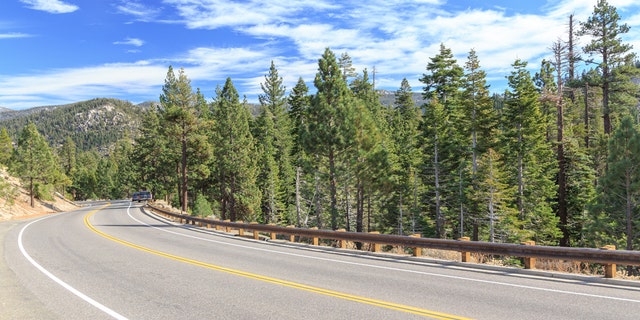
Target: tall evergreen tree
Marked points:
372	148
234	164
33	160
479	129
6	147
495	198
619	189
605	31
329	130
182	126
152	158
274	134
527	151
346	67
443	132
299	101
406	132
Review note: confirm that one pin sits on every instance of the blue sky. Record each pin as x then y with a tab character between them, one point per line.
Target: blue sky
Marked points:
62	51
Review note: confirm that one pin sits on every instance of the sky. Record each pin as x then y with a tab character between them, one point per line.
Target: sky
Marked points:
56	52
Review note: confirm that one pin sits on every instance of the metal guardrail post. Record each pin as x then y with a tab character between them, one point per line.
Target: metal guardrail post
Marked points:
529	262
610	269
465	255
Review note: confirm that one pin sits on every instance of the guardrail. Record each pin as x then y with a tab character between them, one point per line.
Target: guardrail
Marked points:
608	256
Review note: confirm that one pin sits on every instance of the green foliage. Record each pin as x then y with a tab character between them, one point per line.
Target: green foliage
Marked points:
202	207
234	163
91	124
6	147
274	142
181	126
619	190
526	151
33	160
329	129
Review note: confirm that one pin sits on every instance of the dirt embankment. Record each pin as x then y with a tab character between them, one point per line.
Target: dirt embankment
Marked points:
15	201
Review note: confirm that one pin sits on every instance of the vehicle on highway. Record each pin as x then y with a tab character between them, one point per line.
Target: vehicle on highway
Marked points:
142	196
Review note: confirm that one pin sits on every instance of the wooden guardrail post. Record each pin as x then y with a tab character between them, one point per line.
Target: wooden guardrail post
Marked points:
417	251
529	262
240	230
342	243
376	246
609	268
315	239
465	255
256	234
273	234
227	229
292	237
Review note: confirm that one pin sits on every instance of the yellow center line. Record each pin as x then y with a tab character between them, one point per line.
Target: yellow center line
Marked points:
299	286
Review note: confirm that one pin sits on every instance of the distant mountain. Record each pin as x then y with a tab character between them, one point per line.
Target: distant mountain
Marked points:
388	98
92	124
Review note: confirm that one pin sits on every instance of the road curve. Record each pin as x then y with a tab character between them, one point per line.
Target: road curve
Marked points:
114	260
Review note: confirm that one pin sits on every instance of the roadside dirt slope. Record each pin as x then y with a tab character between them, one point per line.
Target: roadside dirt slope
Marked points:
16	206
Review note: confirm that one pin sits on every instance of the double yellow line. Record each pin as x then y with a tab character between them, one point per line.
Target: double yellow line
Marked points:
299	286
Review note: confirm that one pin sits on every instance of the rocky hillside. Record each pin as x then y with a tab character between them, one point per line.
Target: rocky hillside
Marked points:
91	124
14	201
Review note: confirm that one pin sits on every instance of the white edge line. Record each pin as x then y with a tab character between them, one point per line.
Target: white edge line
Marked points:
73	290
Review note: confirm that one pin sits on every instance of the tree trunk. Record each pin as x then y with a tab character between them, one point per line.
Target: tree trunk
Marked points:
333	185
183	171
298	218
31	191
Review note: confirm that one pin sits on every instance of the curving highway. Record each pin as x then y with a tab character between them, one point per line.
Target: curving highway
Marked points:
114	260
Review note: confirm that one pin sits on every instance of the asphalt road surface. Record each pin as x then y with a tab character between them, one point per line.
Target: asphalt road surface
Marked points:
114	260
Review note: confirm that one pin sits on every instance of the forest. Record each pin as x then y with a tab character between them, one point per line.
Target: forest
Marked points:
555	158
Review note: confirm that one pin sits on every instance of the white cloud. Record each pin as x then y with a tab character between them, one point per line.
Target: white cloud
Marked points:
14	35
68	85
138	10
131	41
51	6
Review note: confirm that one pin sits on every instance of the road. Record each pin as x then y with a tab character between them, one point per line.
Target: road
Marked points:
114	260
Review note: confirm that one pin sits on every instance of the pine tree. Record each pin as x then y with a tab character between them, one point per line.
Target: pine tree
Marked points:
494	198
346	67
85	180
406	132
619	188
605	31
329	130
299	102
480	126
6	147
234	163
372	148
274	133
152	159
182	126
33	160
526	150
444	136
